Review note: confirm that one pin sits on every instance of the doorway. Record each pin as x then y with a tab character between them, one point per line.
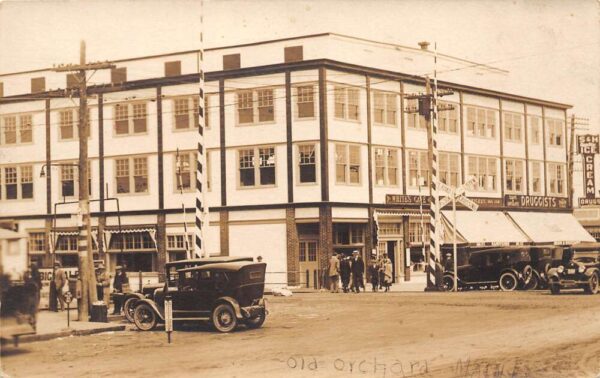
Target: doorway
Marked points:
393	248
308	263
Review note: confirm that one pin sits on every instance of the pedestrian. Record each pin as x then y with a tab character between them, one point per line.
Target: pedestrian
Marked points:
120	283
102	284
345	272
36	279
374	273
358	269
449	263
387	272
60	279
381	272
334	272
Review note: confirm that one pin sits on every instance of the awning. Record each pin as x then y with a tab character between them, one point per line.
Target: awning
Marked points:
483	228
150	230
398	214
554	228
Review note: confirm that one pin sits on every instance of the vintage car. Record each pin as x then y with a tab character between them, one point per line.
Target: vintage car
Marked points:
130	299
579	269
224	294
542	259
506	267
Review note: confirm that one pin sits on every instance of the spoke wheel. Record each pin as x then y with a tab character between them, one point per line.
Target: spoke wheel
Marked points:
129	308
533	283
448	283
256	321
592	286
508	282
223	318
144	317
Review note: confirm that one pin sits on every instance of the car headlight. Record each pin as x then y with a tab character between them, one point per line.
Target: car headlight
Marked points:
560	269
581	269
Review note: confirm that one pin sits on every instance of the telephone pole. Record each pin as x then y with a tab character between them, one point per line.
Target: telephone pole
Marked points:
84	245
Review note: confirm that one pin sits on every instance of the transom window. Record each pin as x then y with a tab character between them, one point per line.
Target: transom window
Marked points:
305	101
481	122
249	170
418	169
255	106
347	158
346	103
484	169
386	166
132	175
307	163
513	127
384	108
514	176
130	118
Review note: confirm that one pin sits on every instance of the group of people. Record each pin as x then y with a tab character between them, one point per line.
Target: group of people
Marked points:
351	270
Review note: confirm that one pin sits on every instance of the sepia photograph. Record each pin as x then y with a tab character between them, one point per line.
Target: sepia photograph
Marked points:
299	188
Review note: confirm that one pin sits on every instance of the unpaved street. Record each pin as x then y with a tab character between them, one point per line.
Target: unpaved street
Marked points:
471	334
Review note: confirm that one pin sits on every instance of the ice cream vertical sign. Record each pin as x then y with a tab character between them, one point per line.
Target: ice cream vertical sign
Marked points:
588	146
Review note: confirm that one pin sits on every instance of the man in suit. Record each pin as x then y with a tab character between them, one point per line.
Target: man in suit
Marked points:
358	269
334	271
60	279
120	280
345	272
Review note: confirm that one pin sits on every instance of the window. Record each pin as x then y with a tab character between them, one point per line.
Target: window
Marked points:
249	170
130	118
484	170
307	163
255	106
125	181
72	81
185	111
307	251
118	75
131	241
293	54
348	234
26	181
481	122
386	166
346	103
1	89
173	68
536	177
555	132
413	119
10	182
513	126
25	126
176	245
10	130
17	129
514	175
534	125
66	124
66	243
18	182
185	171
67	179
415	231
37	242
347	159
38	84
449	169
384	108
418	169
556	179
305	101
448	119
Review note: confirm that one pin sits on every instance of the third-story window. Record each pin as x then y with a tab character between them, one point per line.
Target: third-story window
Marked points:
448	118
132	173
10	130
536	177
67	178
307	163
485	172
534	126
265	105
418	169
555	132
347	159
384	108
556	179
185	111
513	127
130	118
26	181
346	103
514	175
246	164
66	124
449	168
17	129
25	128
481	122
255	106
306	101
250	170
386	166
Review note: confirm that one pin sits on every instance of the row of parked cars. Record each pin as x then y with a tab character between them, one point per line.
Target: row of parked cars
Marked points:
529	268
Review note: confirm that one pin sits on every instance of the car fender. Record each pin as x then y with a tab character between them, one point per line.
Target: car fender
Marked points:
590	271
233	303
133	295
552	273
154	305
513	271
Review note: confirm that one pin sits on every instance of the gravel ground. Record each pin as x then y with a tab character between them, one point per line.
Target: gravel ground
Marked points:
471	334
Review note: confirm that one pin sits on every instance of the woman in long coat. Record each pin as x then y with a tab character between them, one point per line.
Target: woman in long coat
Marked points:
387	273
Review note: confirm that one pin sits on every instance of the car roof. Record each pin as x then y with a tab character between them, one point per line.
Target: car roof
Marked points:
502	250
226	266
210	260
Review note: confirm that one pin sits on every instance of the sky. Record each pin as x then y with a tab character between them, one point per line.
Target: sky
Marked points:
551	48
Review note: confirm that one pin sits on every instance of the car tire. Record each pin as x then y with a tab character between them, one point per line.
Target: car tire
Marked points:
448	283
223	318
129	308
592	285
256	321
508	282
533	283
144	317
554	286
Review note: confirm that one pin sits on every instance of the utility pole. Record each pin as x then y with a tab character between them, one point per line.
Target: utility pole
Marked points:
575	121
84	245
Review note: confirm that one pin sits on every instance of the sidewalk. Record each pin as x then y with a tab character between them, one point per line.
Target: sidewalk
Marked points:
417	283
51	325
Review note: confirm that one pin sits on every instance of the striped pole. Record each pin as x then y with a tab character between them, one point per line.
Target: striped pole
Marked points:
199	244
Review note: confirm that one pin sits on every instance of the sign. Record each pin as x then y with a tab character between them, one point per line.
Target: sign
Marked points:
406	199
535	202
588	144
46	275
445	188
68	297
444	201
486	202
467	202
589	182
589	201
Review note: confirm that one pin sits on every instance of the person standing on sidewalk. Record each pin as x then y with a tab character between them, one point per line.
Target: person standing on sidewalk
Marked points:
387	272
374	273
121	279
102	284
60	279
345	272
358	269
334	272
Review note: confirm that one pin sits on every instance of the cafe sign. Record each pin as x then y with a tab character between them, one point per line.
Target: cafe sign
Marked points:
535	202
406	199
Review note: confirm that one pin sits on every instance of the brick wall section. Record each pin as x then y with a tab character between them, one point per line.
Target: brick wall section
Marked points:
161	245
325	243
224	232
291	231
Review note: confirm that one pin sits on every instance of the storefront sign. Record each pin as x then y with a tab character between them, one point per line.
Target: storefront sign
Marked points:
485	202
589	182
405	199
46	275
588	144
539	202
589	201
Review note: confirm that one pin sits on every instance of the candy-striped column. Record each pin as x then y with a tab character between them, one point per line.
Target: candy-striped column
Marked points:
199	246
434	208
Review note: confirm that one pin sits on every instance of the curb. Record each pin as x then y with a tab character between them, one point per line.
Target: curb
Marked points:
74	332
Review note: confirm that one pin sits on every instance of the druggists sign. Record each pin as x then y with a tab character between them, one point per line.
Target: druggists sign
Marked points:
540	202
588	146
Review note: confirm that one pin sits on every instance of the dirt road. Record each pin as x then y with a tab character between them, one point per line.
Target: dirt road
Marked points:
472	334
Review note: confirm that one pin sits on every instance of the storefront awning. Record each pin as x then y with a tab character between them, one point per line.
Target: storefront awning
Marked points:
483	228
554	228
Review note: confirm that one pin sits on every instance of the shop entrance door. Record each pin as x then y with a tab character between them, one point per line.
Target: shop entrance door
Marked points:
308	268
393	248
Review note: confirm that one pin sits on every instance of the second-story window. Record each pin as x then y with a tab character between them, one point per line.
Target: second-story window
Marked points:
449	168
386	166
255	106
11	183
481	122
131	173
448	119
305	99
556	179
185	172
384	108
555	132
534	126
67	179
307	163
249	171
18	182
66	124
130	118
346	103
347	159
513	126
418	169
413	119
514	175
26	181
185	111
484	169
536	177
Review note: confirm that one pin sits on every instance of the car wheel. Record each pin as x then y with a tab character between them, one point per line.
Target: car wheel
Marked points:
129	308
448	283
533	283
554	286
508	282
256	321
223	318
144	317
592	286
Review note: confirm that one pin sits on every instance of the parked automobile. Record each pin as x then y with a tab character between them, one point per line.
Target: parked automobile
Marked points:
224	294
579	269
542	259
130	299
506	267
